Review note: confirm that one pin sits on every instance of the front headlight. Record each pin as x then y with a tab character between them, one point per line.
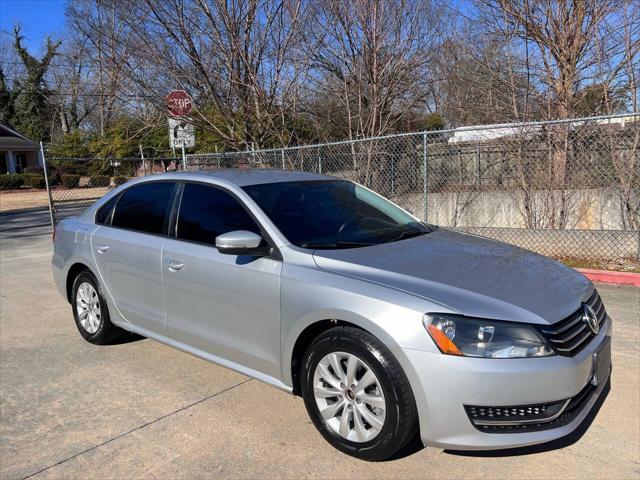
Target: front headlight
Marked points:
476	337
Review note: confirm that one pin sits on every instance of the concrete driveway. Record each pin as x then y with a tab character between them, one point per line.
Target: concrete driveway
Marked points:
25	223
139	409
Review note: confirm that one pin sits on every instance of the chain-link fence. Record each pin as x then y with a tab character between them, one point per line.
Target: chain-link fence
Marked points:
75	183
569	189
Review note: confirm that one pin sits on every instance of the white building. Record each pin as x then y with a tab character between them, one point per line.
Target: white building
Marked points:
17	152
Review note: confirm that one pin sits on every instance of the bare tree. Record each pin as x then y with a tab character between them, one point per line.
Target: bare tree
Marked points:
482	82
236	58
75	84
571	38
371	58
373	55
108	40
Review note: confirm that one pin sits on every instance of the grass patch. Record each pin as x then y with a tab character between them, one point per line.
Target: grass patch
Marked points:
617	265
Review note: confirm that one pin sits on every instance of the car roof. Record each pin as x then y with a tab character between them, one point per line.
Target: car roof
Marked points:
253	176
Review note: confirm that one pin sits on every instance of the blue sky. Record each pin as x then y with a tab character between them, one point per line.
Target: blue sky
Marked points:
38	18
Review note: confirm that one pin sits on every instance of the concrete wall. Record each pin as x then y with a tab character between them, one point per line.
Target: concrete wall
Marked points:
588	209
594	229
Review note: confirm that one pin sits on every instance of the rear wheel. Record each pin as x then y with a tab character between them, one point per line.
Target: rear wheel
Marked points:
357	395
90	310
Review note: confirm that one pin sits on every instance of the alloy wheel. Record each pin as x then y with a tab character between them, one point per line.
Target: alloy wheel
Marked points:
349	396
88	307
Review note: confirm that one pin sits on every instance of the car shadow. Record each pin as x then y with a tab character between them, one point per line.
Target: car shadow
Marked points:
127	337
415	444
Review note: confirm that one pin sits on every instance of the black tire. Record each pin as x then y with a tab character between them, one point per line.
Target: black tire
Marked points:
106	332
401	421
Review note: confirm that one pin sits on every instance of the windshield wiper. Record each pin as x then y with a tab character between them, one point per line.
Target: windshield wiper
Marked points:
407	234
321	245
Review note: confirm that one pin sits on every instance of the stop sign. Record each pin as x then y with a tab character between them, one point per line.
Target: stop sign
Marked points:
179	103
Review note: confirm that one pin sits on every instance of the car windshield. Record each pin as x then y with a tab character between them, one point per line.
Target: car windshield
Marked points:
333	214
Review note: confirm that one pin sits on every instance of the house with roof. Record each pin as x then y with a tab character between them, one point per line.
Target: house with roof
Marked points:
17	152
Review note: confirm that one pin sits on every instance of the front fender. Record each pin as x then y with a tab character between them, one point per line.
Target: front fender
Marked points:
309	296
323	315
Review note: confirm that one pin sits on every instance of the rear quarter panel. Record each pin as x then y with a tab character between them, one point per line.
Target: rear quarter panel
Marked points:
72	245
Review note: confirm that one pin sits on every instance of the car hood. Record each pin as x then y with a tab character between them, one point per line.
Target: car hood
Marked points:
471	275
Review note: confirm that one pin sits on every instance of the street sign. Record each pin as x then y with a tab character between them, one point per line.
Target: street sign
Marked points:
179	103
181	134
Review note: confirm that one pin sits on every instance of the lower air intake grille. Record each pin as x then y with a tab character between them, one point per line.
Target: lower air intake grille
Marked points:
528	418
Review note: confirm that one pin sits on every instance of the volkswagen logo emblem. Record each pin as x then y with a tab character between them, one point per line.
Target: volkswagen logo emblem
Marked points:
589	317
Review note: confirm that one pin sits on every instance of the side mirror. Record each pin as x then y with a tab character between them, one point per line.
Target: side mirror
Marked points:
241	242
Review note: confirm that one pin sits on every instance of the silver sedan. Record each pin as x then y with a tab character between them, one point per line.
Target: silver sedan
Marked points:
389	328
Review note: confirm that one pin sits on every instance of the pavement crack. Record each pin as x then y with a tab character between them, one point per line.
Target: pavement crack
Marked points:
140	427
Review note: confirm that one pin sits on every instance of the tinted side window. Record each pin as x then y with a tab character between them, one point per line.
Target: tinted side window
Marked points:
207	212
144	207
104	212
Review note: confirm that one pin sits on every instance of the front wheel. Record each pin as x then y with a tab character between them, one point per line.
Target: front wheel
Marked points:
357	395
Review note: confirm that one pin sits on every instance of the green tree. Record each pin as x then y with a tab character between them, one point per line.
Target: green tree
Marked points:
433	121
7	101
32	103
74	144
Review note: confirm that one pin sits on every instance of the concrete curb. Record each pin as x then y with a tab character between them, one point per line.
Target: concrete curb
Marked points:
606	276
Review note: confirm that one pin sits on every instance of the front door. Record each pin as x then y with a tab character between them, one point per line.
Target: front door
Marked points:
226	305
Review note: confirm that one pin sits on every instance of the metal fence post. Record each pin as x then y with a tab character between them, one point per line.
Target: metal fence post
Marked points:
144	164
393	175
478	177
425	179
46	181
282	152
319	161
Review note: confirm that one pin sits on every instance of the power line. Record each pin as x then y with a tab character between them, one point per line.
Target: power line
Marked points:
104	95
77	65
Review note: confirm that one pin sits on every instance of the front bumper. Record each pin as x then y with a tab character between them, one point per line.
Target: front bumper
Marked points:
445	384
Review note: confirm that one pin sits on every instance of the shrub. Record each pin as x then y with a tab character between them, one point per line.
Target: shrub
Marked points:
100	180
70	180
54	178
39	171
66	169
10	182
33	180
119	180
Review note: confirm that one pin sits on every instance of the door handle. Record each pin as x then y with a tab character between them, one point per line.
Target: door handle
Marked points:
173	265
103	248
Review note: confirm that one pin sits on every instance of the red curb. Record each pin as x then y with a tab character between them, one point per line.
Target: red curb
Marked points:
606	276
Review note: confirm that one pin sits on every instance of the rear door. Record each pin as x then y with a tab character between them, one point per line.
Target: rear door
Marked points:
127	249
226	305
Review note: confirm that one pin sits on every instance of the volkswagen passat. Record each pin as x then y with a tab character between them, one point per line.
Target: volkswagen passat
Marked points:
386	326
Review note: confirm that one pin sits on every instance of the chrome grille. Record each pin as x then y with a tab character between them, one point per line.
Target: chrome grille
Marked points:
567	337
